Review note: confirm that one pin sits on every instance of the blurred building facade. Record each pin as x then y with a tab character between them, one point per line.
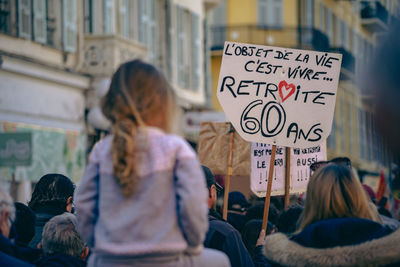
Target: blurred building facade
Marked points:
57	58
352	28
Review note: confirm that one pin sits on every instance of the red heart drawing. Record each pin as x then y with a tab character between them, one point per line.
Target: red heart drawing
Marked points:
287	87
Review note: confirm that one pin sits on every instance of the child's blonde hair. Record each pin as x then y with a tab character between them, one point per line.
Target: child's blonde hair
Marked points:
139	95
334	191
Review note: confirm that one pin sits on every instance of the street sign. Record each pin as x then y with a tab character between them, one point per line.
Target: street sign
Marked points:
15	149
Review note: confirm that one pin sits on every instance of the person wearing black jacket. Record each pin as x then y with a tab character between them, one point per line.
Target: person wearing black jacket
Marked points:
221	235
10	253
52	196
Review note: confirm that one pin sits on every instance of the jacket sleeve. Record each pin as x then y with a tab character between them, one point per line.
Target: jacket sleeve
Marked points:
191	195
236	250
259	259
86	200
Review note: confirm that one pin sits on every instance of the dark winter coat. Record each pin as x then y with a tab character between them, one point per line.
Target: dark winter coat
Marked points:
13	250
59	260
7	260
223	237
336	242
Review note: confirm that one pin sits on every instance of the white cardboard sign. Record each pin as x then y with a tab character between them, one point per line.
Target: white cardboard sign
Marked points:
300	161
279	96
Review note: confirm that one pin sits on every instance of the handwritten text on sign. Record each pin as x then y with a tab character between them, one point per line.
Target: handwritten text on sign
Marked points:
277	95
300	161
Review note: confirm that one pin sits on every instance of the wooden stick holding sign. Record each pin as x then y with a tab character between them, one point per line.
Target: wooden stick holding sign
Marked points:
229	173
269	186
287	179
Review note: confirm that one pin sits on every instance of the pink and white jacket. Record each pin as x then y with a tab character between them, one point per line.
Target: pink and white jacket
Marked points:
166	214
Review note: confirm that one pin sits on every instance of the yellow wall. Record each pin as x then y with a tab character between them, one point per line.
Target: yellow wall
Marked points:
290	13
241	12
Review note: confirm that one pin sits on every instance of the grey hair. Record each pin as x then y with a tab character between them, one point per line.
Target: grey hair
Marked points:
6	203
60	236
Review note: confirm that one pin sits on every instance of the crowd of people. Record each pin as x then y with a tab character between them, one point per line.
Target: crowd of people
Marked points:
338	225
145	200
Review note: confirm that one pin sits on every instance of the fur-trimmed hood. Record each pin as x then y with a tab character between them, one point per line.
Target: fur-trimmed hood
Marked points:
279	249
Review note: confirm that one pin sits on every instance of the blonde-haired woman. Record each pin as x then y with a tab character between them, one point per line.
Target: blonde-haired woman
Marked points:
143	198
337	227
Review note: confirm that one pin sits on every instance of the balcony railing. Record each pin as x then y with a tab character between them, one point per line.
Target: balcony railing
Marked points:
374	16
292	37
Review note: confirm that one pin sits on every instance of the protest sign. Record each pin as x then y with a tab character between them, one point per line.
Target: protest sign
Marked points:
279	96
300	159
213	149
260	159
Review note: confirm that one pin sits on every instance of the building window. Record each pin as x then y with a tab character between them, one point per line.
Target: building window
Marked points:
309	8
361	133
39	21
270	13
124	18
336	24
342	126
188	49
329	30
24	19
321	17
148	28
343	34
69	25
88	16
331	137
350	123
218	14
195	52
368	136
354	40
108	17
8	17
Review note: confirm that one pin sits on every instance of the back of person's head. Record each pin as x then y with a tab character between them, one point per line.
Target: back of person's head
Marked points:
257	212
288	219
61	237
53	189
7	212
237	201
334	191
24	224
139	95
251	232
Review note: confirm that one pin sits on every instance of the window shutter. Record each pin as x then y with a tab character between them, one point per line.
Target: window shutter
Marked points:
39	21
108	13
143	21
24	19
195	51
180	45
152	32
69	25
124	8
